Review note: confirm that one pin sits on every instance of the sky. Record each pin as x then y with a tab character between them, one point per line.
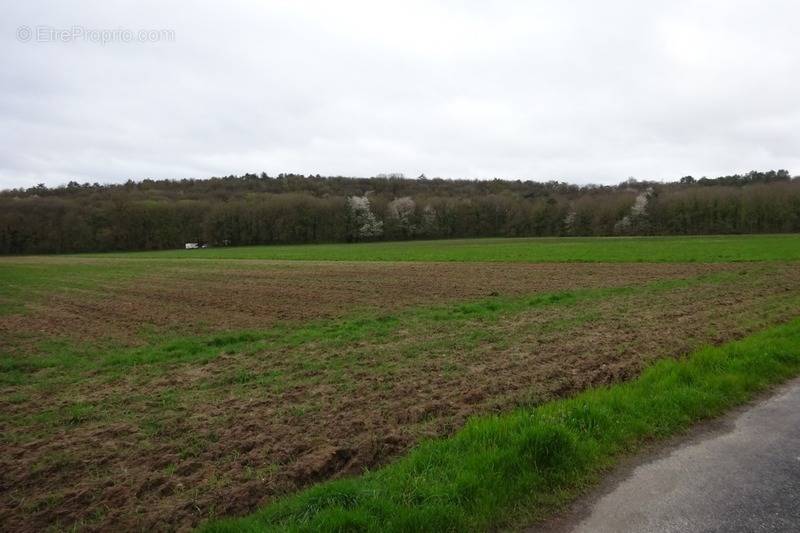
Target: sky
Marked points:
581	91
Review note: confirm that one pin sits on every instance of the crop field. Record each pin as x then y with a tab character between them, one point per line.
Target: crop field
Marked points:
158	390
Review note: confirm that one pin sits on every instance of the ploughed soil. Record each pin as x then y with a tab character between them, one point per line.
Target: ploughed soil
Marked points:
166	446
200	297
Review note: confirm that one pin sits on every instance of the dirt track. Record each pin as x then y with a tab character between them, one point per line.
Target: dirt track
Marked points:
173	448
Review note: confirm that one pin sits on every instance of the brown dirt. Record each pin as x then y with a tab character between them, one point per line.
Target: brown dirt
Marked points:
224	447
257	294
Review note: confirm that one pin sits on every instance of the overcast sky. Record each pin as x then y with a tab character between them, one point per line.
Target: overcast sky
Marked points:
584	91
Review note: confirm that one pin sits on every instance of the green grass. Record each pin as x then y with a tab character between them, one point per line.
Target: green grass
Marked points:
22	281
526	464
718	248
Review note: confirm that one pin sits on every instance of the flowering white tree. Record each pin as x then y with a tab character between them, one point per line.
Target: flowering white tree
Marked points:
401	211
640	204
365	224
569	220
637	214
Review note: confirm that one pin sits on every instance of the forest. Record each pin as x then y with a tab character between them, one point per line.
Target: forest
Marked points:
292	208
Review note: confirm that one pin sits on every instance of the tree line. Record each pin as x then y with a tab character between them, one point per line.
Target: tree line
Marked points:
291	208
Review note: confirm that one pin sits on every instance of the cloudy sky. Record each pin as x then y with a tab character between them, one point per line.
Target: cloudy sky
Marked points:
584	91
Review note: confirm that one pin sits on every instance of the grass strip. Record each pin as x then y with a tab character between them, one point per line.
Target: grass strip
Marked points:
681	249
514	468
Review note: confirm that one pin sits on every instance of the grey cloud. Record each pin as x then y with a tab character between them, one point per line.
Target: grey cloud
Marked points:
577	90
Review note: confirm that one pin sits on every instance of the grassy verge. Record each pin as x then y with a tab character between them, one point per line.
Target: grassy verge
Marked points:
498	471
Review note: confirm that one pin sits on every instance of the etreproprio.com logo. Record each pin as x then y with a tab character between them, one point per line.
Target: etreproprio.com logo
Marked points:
50	34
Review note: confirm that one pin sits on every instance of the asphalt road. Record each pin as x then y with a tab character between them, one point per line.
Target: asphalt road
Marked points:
741	473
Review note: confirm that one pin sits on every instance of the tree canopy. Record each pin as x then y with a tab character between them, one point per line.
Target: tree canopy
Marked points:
292	208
